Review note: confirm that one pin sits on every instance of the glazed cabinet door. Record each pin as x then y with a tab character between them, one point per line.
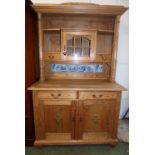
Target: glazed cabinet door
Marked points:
97	119
54	120
78	45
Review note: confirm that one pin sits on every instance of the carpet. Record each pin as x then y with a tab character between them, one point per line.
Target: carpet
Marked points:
119	149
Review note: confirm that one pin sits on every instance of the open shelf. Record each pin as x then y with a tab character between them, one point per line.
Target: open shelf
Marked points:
51	41
104	43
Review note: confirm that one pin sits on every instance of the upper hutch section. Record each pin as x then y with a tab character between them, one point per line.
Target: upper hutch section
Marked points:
78	41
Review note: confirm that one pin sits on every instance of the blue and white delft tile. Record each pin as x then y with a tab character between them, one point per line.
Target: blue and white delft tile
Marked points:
84	68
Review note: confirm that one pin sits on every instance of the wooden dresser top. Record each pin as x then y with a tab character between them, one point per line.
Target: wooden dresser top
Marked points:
91	85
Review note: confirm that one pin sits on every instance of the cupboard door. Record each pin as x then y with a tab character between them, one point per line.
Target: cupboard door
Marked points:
78	45
57	119
96	119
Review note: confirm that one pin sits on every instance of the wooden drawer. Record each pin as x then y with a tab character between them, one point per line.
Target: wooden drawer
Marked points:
57	94
97	95
52	56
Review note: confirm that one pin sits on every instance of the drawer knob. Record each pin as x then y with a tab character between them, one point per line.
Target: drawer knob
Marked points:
52	94
59	94
94	95
100	95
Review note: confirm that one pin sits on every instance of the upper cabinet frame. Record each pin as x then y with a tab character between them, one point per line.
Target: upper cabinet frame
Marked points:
99	24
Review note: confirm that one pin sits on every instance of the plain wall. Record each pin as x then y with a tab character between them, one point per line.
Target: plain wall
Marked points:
122	72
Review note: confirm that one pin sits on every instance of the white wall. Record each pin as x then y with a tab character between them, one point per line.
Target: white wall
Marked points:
108	2
122	73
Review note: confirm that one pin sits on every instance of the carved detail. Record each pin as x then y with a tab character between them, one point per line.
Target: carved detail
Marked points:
58	119
96	119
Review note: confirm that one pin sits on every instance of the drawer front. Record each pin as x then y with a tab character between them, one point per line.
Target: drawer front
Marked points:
58	94
97	95
51	56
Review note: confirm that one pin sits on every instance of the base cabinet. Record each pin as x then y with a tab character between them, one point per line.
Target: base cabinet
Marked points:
62	120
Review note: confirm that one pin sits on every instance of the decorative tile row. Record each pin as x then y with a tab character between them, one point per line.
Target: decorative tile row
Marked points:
84	68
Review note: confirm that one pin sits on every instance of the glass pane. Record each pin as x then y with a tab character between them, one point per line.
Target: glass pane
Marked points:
86	52
70	40
78	51
70	51
78	40
78	45
85	41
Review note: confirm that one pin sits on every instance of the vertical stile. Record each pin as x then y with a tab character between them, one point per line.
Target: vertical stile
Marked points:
114	50
40	34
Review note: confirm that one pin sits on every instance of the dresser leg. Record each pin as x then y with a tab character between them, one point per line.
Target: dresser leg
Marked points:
39	147
114	144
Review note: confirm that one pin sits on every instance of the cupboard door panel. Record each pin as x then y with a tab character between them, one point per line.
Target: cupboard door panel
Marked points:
96	119
59	119
57	116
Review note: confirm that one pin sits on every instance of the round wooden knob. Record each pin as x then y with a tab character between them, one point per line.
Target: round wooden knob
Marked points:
100	95
94	95
59	94
52	94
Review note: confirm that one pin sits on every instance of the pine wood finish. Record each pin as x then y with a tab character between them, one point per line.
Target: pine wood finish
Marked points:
57	94
97	95
76	120
76	111
96	119
78	8
77	108
73	84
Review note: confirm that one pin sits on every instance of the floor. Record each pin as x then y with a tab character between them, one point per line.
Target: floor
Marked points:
123	130
120	149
